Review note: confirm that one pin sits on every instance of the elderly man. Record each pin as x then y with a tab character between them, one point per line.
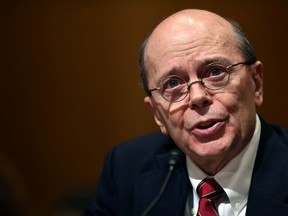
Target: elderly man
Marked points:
203	85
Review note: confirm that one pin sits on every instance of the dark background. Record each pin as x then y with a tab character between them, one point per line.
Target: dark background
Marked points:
70	88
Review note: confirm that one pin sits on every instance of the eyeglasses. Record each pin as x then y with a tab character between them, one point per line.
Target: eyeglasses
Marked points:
214	77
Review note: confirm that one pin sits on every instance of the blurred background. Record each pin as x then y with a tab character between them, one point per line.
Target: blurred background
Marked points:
70	88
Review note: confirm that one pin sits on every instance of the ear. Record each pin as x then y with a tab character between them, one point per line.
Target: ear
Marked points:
157	116
258	80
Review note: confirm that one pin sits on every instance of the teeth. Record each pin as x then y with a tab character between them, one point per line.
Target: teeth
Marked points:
206	125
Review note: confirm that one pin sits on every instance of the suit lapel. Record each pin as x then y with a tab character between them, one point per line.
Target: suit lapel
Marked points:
148	185
268	193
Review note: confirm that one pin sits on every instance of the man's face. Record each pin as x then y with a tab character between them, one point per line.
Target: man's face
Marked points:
207	125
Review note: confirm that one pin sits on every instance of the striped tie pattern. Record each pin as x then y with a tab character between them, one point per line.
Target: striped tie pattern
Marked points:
209	192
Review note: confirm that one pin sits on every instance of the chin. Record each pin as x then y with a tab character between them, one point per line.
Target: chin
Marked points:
214	148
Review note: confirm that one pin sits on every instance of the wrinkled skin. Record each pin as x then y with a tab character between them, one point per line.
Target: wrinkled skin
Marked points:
211	127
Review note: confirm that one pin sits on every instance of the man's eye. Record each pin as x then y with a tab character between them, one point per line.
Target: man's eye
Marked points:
173	83
215	71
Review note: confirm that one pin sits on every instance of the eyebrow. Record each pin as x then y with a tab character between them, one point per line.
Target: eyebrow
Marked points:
174	71
218	59
200	65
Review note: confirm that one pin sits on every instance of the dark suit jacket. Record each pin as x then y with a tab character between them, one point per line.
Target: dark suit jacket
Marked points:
134	173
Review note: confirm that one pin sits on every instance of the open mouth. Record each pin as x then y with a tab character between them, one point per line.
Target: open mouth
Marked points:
206	125
209	128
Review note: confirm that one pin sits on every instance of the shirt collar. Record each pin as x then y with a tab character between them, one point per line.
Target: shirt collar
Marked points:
235	177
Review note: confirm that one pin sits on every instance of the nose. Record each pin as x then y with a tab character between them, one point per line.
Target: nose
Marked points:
198	96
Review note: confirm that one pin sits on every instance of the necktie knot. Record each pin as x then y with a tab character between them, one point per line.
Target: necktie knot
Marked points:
209	188
209	192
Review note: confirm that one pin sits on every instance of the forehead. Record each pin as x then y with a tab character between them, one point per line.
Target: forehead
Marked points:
189	38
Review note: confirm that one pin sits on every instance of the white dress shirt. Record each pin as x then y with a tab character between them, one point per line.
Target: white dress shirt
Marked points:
234	178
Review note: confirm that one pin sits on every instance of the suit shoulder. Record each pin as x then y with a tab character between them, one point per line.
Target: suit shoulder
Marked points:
281	132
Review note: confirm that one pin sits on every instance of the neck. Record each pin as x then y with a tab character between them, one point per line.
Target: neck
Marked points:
211	166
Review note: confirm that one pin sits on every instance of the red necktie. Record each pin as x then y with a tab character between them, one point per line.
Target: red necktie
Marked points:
209	192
